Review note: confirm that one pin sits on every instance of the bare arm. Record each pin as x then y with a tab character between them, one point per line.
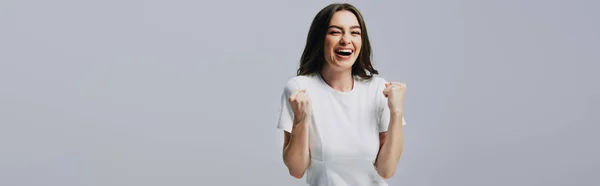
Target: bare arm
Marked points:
295	150
296	155
391	144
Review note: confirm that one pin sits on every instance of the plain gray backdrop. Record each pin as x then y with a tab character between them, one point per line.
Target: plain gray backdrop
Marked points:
156	93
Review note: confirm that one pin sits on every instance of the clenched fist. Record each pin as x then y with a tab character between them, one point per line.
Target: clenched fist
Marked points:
394	92
300	103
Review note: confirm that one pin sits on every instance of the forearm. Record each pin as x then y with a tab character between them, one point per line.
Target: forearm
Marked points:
391	150
296	153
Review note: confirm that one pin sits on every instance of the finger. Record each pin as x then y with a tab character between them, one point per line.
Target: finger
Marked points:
396	86
300	95
387	91
301	99
304	95
307	98
301	92
399	84
295	95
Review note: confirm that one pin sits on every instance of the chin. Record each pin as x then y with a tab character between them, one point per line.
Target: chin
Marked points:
344	65
340	63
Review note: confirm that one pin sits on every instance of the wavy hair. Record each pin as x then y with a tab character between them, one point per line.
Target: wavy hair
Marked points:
313	57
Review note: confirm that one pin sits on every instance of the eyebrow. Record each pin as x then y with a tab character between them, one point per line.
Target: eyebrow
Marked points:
339	27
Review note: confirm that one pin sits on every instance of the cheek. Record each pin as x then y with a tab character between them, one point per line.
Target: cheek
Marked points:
357	42
328	44
358	47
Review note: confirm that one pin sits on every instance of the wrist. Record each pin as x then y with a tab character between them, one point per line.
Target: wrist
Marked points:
300	121
396	113
299	126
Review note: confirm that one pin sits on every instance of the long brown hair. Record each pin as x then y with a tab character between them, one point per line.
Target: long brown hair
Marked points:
313	57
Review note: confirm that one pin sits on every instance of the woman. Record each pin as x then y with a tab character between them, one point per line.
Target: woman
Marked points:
342	124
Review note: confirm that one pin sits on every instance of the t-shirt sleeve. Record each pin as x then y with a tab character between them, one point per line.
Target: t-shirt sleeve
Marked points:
384	110
286	114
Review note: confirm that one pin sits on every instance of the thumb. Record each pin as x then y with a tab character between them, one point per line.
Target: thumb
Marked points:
387	84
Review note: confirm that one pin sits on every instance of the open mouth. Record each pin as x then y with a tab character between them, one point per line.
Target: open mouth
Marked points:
344	52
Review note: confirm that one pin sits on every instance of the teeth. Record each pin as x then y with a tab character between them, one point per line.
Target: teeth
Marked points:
345	50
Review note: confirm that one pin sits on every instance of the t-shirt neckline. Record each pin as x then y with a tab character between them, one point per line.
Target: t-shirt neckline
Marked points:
331	89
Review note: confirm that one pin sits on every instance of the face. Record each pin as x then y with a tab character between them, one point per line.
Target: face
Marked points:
343	41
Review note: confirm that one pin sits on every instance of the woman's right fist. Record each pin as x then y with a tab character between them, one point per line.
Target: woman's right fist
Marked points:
300	103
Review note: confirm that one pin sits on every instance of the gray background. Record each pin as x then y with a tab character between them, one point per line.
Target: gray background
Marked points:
153	93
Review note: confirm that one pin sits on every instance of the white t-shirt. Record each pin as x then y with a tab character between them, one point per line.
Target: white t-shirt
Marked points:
344	129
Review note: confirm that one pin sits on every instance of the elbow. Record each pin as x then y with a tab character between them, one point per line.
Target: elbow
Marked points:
296	167
386	174
296	171
297	174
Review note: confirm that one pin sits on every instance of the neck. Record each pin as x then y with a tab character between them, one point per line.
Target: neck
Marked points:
341	81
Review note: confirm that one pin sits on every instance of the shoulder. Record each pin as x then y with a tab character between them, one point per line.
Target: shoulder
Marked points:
298	82
375	83
378	80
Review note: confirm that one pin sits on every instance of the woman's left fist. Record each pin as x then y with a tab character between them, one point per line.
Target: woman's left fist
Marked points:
394	92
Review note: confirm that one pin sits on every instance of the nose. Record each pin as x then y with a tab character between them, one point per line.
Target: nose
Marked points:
345	40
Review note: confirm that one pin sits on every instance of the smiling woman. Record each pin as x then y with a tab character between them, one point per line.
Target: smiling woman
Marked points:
337	22
342	124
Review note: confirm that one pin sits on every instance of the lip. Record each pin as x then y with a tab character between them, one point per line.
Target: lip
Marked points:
341	56
351	49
